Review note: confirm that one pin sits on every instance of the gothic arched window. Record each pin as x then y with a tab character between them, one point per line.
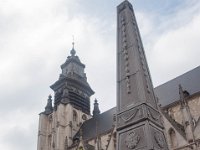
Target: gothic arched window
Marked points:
75	116
49	141
173	139
66	143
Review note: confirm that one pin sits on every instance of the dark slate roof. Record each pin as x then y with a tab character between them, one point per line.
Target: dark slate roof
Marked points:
168	92
98	125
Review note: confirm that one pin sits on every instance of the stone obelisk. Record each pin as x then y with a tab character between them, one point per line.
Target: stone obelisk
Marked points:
139	124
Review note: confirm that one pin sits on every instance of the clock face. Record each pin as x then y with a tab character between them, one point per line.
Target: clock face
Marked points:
84	117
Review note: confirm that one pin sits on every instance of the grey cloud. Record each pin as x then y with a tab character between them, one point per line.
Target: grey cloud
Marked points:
19	138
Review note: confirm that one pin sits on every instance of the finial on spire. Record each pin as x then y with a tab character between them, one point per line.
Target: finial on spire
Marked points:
182	97
49	107
73	52
96	110
49	97
180	91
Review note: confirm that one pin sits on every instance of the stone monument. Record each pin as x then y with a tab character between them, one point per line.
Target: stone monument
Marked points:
139	124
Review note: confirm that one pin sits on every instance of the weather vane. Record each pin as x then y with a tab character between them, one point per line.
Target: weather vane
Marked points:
73	41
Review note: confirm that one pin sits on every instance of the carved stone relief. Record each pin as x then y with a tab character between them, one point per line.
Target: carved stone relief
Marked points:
132	140
159	139
129	116
141	55
125	56
154	115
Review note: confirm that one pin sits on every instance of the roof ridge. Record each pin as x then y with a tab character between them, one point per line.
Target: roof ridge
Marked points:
109	110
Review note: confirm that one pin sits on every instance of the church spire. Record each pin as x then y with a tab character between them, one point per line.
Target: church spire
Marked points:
72	86
49	108
96	110
139	124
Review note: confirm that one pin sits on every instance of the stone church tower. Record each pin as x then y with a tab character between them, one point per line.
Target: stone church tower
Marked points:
58	125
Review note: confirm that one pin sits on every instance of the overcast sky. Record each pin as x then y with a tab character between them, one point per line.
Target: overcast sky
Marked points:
36	37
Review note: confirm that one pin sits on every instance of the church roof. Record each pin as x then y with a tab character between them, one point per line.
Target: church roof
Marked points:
168	92
98	125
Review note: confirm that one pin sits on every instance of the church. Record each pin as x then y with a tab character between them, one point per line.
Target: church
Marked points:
171	109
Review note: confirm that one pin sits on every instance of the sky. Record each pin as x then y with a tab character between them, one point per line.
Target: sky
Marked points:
36	38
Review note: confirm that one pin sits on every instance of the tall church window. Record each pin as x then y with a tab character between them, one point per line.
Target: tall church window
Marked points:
49	141
75	116
50	118
66	143
173	139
